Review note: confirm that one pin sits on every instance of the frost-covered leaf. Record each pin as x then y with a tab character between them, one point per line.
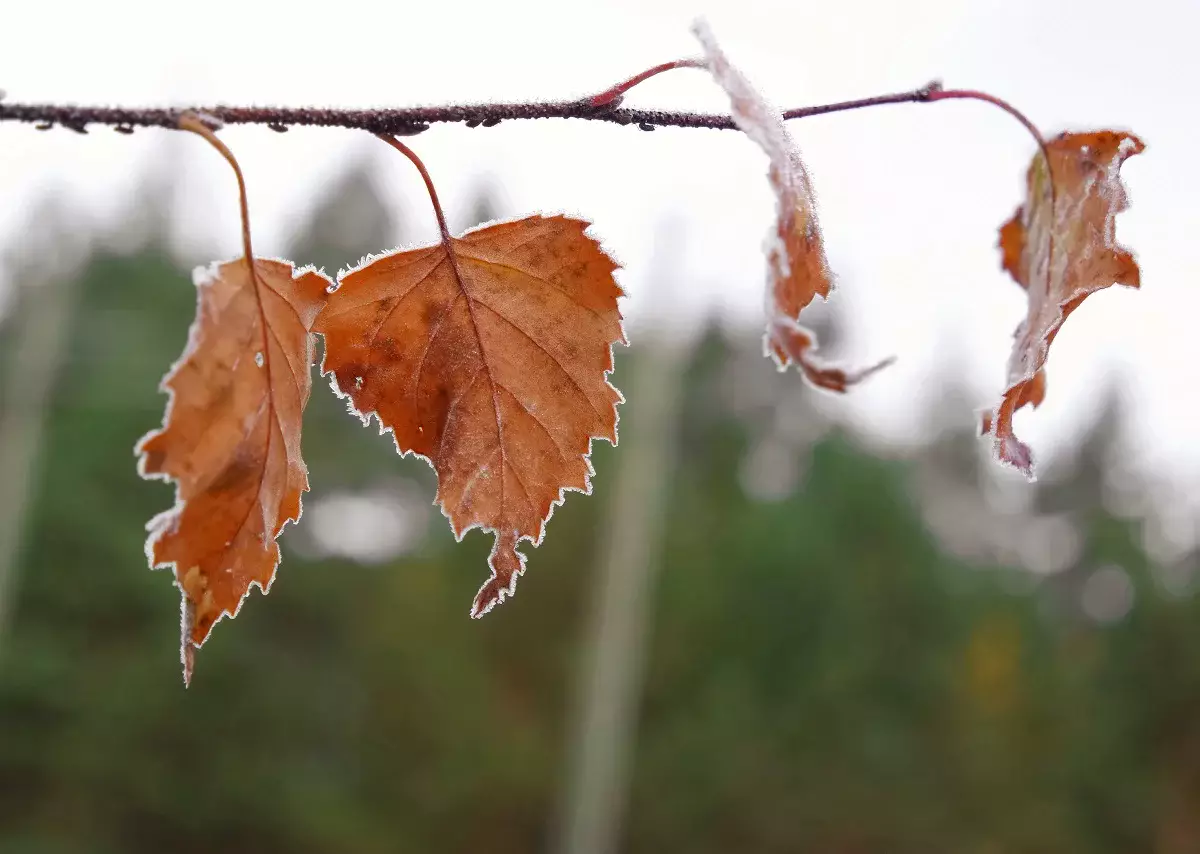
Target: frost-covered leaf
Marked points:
1060	252
231	437
798	271
487	355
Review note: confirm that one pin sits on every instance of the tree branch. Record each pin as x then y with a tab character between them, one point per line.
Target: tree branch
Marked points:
408	120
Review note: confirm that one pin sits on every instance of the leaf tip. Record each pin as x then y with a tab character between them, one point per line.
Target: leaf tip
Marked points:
507	565
485	600
788	343
1013	452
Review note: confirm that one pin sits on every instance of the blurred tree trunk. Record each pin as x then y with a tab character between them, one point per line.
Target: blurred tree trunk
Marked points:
615	640
35	350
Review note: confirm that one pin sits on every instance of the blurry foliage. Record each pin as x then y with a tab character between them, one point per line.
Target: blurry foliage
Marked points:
823	676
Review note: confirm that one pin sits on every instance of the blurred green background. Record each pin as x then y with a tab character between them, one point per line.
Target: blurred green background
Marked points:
825	649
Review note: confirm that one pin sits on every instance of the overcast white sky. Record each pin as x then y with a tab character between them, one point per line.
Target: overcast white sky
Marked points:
910	196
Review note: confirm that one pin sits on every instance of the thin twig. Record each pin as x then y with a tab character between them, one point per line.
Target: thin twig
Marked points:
443	228
940	94
197	125
408	120
612	97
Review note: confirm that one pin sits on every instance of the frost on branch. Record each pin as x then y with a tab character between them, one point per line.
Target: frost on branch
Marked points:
798	271
487	355
1060	247
231	437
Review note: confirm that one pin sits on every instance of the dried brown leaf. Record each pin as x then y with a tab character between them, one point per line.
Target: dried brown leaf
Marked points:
1060	250
486	355
798	271
231	437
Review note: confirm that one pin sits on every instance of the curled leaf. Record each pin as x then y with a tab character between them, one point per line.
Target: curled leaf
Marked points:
487	355
231	437
798	271
1060	247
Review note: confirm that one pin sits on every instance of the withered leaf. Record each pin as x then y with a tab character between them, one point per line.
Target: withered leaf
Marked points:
487	355
231	437
798	271
1060	251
